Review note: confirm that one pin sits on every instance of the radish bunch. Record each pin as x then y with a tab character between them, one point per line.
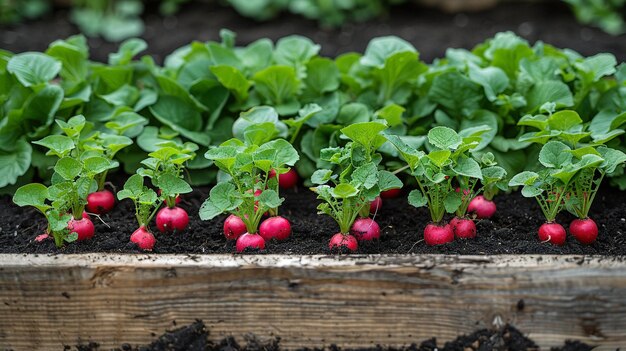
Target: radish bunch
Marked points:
573	161
252	189
348	189
449	163
75	173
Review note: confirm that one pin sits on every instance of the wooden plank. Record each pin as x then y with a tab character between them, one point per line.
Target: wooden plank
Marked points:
353	301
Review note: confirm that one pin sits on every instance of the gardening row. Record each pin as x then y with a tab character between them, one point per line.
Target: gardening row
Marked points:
254	119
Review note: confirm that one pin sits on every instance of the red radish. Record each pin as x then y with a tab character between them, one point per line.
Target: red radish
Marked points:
482	207
86	215
177	197
234	227
376	205
83	227
463	228
42	237
286	180
584	230
552	232
365	229
100	202
437	235
275	228
391	193
143	238
250	241
340	240
171	219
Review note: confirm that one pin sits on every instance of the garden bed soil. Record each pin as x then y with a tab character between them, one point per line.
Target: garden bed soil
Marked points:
513	230
195	337
430	30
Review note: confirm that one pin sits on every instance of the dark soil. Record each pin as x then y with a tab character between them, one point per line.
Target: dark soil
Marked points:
430	30
195	337
513	230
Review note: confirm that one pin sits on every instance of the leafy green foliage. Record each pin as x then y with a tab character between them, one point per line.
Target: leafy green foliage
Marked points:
354	180
605	14
165	167
449	163
247	190
579	152
145	199
207	93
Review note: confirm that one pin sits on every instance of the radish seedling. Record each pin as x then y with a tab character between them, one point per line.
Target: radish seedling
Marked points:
492	177
165	168
90	142
146	204
247	164
551	184
73	178
590	160
435	172
356	179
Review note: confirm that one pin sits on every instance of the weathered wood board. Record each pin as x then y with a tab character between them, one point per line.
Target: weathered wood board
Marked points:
352	301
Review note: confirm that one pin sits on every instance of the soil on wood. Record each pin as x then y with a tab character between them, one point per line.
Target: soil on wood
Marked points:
195	337
513	230
430	30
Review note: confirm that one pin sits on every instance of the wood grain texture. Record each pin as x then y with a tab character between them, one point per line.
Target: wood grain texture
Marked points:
352	301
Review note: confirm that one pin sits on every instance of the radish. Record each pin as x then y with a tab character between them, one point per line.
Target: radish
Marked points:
275	228
171	219
83	227
435	234
100	202
340	240
552	232
143	238
584	230
365	229
376	205
286	180
463	228
391	193
483	208
250	241
234	227
42	237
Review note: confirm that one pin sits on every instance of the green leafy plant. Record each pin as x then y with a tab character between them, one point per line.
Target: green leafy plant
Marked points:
249	191
146	204
605	14
436	171
165	167
355	179
73	180
37	196
551	184
567	127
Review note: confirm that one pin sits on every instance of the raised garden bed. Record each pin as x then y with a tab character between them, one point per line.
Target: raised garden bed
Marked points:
309	301
352	301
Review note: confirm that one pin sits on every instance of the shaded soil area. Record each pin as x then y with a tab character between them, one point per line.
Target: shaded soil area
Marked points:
430	30
195	337
513	230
